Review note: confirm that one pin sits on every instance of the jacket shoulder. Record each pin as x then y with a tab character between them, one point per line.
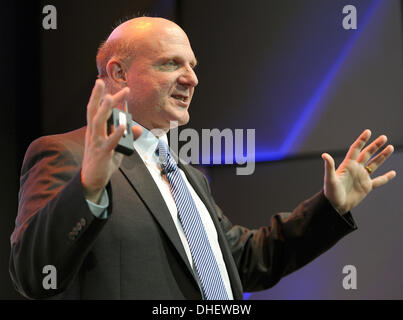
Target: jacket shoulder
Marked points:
71	142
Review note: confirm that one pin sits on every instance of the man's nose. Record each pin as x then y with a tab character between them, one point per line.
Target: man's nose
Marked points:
189	78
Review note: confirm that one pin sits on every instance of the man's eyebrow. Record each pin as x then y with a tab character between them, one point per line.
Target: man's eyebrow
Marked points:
195	62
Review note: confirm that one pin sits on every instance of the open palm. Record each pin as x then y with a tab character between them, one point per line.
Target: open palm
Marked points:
347	186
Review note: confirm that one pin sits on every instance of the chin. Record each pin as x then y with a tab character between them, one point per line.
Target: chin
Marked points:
184	120
181	119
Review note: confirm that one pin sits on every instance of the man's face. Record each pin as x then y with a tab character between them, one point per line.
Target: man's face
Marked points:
161	79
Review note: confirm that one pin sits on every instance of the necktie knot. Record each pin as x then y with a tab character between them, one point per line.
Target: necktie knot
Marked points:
165	160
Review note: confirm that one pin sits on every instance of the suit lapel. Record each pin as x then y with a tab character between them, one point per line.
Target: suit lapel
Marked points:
232	270
135	171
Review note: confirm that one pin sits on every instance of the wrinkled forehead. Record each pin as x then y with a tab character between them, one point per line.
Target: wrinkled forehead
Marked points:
166	43
165	40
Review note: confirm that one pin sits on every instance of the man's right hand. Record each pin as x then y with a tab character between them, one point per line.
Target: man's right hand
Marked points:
100	158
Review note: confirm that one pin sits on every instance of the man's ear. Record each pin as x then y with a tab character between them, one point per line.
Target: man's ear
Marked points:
116	73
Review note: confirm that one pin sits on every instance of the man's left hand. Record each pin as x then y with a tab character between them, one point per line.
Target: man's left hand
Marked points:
347	186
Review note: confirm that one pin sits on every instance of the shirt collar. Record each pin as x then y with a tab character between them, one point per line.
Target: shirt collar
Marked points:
147	143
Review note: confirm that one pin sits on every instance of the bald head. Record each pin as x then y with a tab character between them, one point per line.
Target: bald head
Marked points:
138	28
131	36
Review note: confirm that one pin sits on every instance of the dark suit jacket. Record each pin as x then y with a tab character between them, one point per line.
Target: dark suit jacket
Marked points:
136	252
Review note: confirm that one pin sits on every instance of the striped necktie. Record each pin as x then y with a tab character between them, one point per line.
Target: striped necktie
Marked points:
205	264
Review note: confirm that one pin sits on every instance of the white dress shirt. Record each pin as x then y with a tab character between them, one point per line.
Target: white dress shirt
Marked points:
146	145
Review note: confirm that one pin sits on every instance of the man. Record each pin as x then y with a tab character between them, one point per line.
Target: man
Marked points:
117	227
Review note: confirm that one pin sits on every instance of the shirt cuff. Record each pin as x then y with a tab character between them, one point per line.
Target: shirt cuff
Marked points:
99	210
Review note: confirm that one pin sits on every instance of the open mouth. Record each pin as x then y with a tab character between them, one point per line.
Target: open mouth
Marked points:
180	98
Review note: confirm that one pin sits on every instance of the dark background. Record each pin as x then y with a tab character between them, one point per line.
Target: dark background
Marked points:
284	68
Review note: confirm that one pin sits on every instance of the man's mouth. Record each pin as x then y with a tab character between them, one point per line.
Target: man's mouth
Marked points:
180	97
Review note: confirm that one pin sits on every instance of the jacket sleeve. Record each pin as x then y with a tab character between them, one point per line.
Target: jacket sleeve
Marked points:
293	239
54	225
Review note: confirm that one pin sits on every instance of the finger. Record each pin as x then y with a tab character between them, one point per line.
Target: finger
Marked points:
95	99
329	166
137	131
358	144
116	99
99	125
381	180
370	150
114	138
377	161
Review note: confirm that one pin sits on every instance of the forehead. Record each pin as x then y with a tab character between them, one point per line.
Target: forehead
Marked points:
169	42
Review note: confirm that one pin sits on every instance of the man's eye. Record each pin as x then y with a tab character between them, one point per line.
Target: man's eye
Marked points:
171	63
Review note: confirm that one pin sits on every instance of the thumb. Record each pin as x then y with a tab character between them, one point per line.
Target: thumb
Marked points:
137	132
329	166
